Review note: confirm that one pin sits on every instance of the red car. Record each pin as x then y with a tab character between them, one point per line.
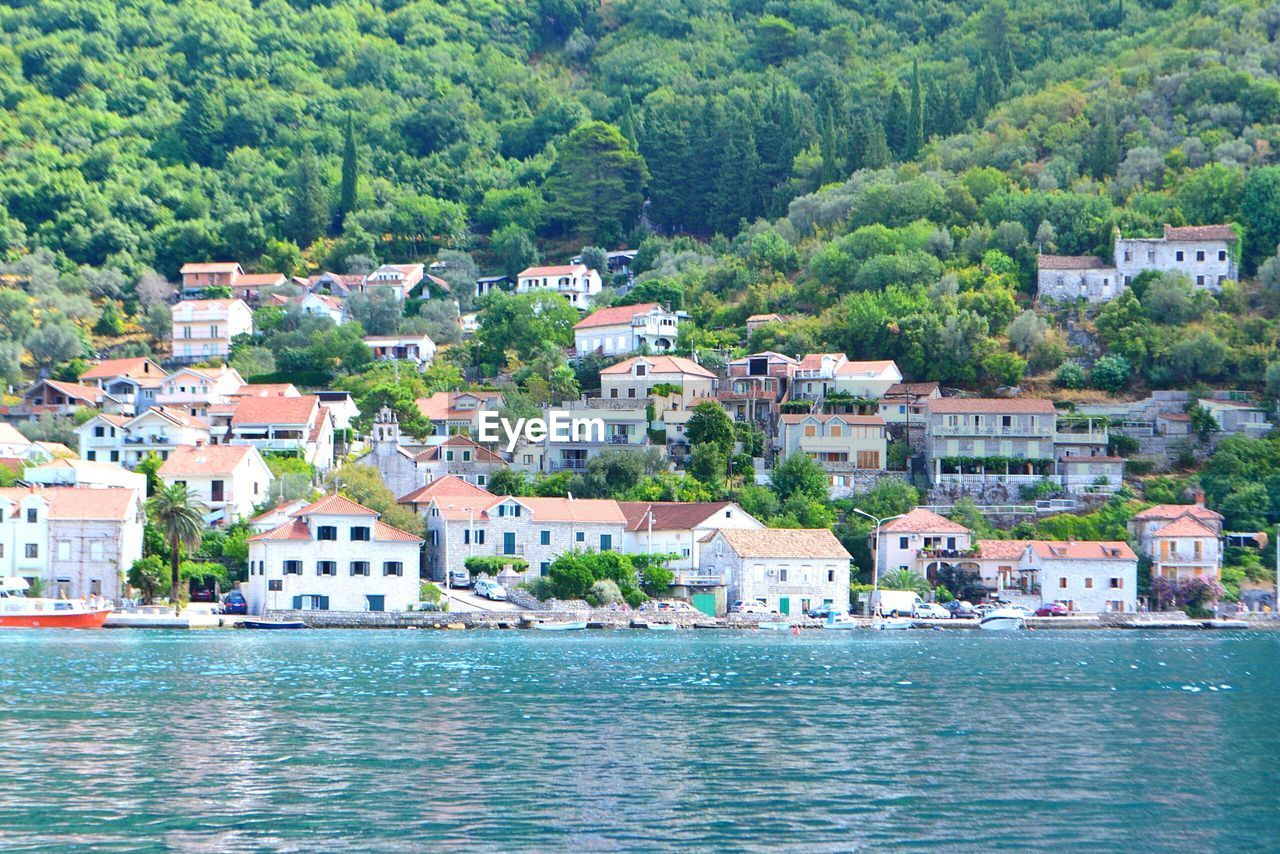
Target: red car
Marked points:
1052	609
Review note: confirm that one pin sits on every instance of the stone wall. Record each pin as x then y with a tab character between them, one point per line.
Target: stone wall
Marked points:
857	481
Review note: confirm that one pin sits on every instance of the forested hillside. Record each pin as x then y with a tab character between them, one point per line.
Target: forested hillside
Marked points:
885	171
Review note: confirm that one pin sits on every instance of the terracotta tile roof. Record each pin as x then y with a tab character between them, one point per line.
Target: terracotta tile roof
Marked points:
382	532
206	304
335	505
615	315
995	405
813	361
70	503
457	507
481	453
1177	511
669	515
661	365
1001	549
177	416
13	464
135	368
1083	550
76	391
922	521
206	459
562	270
9	435
283	507
1200	232
769	354
1070	262
249	280
784	543
766	318
267	390
210	267
598	510
294	529
863	420
440	406
276	410
447	485
914	390
1184	527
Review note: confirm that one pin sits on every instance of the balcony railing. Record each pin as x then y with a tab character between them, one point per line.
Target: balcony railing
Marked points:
698	579
992	430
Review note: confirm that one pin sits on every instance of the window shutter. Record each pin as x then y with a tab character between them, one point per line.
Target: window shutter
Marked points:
297	603
324	603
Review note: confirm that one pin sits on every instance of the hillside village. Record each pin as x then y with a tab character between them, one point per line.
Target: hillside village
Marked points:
729	472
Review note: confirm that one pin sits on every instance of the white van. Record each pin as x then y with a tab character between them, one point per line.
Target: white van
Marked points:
896	603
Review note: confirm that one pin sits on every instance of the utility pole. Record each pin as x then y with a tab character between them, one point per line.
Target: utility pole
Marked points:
875	552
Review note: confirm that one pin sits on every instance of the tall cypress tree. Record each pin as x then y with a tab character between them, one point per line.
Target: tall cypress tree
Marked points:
915	119
875	152
895	123
308	211
828	149
1104	154
350	175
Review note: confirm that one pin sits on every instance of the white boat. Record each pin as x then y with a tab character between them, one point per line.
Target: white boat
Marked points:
570	626
1002	620
774	626
838	622
894	623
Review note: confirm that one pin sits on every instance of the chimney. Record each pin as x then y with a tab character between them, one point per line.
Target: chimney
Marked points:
199	443
1199	497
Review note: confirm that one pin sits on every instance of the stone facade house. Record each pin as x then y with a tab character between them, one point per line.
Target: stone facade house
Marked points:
678	528
333	555
1182	540
921	541
1068	278
788	571
908	403
1201	252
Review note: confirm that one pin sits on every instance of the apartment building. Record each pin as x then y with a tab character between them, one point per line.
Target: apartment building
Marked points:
574	282
129	440
203	328
292	425
194	390
637	377
623	329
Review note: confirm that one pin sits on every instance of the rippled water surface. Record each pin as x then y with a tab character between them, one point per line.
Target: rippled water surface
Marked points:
602	741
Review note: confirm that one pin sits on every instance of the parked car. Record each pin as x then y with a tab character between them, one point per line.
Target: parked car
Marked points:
234	603
1053	609
742	607
1026	612
822	612
960	609
459	578
931	611
204	596
491	590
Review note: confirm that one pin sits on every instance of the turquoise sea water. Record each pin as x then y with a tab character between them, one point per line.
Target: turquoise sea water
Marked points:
223	741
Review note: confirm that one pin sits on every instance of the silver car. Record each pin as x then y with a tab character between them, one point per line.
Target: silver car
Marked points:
491	590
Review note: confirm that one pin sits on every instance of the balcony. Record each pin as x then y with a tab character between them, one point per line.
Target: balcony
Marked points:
698	579
992	430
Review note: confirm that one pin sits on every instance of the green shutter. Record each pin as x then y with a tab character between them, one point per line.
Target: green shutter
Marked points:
297	603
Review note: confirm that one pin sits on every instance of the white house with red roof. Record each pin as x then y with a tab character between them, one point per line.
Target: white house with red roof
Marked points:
396	279
203	328
55	397
575	282
622	329
194	390
678	528
419	349
79	541
1087	576
128	441
333	555
457	412
231	480
405	467
299	425
919	541
133	382
867	379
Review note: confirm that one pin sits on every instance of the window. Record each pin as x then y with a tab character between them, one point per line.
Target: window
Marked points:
544	567
31	514
91	455
528	458
115	456
1062	584
95	587
579	536
1088	584
99	432
782	574
835	431
831	575
544	538
326	567
64	550
466	456
360	534
631	392
606	542
393	567
903	542
293	567
275	584
359	567
641	370
1117	584
1200	280
1222	255
1179	255
97	550
613	392
327	532
32	550
448	456
810	430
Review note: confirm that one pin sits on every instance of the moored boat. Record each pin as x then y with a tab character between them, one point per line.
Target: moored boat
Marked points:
272	624
18	611
838	622
662	627
774	625
1002	620
894	623
568	626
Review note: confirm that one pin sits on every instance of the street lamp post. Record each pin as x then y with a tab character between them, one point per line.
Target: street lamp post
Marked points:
875	552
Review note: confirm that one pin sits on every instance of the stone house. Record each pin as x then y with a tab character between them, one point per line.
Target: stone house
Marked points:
908	403
1067	278
1237	416
79	541
1086	576
419	349
457	412
678	528
229	479
1201	252
788	571
623	329
839	443
404	468
636	378
755	386
333	555
921	541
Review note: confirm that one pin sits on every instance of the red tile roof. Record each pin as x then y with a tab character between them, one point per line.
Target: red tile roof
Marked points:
210	267
440	405
562	270
922	521
670	515
661	365
294	529
276	410
335	505
206	459
249	280
482	454
863	420
1177	511
382	532
996	405
615	315
855	368
135	368
902	390
784	543
601	510
813	361
1070	262
72	503
1200	232
448	485
76	391
289	506
1184	527
1001	549
1082	550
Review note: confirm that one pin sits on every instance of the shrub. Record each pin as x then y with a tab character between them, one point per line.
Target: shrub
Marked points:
1071	375
604	592
1110	373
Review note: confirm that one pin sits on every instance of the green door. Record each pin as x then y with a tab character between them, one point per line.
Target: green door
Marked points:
509	543
784	605
706	603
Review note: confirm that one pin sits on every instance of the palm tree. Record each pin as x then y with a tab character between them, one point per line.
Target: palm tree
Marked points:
905	579
180	518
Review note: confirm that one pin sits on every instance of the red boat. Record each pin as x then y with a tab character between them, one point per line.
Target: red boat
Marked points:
21	612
